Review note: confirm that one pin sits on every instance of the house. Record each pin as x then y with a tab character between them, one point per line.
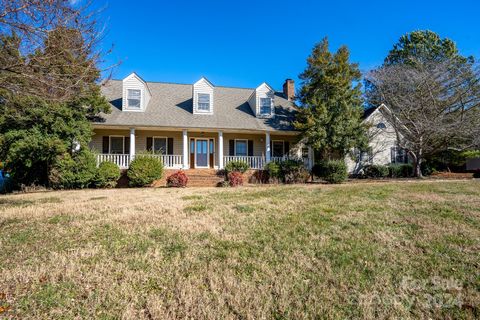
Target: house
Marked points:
383	142
197	126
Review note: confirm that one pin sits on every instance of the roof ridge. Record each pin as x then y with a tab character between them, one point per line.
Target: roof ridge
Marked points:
187	84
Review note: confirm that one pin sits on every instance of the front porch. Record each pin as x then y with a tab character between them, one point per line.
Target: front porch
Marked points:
195	149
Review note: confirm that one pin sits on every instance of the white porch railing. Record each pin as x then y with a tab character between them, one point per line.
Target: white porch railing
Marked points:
254	162
123	160
169	160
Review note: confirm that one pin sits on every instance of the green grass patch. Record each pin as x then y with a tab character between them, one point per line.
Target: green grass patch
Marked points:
386	251
243	208
192	197
195	208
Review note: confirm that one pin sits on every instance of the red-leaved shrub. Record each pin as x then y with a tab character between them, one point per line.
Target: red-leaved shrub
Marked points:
235	179
178	180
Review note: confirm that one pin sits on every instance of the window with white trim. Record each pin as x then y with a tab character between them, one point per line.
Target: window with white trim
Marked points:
265	106
241	147
203	102
134	98
278	149
160	145
117	145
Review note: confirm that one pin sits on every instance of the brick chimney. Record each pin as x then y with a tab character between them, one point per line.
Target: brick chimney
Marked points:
289	89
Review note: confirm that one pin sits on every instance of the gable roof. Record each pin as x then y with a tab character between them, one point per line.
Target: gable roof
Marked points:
206	81
368	112
171	105
135	75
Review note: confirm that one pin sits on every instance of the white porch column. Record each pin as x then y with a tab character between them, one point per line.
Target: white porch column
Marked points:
267	147
220	150
185	149
132	144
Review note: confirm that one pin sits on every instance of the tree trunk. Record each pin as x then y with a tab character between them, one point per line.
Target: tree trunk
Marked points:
417	165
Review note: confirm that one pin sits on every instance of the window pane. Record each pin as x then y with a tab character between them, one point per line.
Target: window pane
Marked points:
134	98
116	145
240	147
265	105
203	101
278	148
160	145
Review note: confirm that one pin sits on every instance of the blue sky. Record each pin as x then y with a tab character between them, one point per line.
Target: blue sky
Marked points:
244	43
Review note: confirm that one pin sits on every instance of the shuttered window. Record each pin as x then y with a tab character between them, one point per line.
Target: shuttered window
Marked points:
241	147
159	145
116	145
277	148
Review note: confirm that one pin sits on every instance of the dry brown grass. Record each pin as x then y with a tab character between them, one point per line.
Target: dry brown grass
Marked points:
396	250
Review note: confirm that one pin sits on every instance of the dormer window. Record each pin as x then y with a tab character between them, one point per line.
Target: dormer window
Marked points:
134	98
265	106
204	102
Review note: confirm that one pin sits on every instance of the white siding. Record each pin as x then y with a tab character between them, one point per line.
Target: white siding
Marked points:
203	86
262	91
134	82
381	142
140	139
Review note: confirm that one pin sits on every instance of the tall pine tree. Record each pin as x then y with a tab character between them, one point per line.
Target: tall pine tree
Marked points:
330	103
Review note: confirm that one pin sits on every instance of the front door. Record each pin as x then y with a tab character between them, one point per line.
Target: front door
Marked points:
201	153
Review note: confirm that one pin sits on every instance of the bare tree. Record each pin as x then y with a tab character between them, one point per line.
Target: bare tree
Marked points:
34	63
432	105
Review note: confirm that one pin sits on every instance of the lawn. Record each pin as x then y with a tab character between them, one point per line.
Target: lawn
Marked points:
368	250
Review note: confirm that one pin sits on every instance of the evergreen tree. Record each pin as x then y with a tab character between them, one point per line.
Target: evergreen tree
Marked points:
36	132
422	46
330	102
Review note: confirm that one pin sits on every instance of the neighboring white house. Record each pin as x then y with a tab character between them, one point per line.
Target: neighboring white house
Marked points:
383	143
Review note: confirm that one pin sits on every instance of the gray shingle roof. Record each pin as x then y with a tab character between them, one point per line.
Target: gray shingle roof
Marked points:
171	106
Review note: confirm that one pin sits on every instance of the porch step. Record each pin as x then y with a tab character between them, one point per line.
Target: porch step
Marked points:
203	177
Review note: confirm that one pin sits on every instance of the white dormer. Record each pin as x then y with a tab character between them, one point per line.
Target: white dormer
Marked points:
262	101
136	93
203	97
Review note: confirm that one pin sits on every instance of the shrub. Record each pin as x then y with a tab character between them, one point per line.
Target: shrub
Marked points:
178	179
72	172
332	171
235	179
238	166
144	170
274	171
476	174
400	170
318	169
107	175
293	171
376	171
427	169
